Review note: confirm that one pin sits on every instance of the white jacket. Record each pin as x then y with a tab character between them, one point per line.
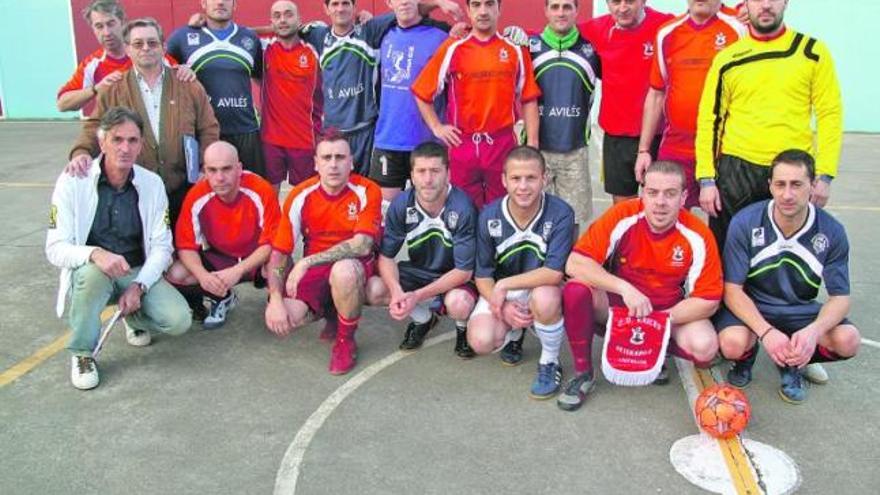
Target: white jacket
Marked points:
74	203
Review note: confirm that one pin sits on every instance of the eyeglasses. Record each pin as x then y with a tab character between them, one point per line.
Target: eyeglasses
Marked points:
148	44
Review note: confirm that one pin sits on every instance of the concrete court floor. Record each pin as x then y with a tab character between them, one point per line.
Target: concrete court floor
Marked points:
214	412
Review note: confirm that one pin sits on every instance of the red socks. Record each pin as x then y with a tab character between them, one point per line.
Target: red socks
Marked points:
577	304
346	327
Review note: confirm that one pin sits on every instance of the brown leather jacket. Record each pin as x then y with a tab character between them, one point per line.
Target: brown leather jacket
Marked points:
185	110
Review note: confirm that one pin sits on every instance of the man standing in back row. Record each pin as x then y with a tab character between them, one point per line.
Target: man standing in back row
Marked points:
485	77
624	40
225	57
760	97
566	69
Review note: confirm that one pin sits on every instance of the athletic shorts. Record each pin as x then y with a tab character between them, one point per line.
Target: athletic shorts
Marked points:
390	168
412	279
619	163
250	151
291	164
476	165
787	324
740	183
314	287
520	295
361	143
214	260
688	165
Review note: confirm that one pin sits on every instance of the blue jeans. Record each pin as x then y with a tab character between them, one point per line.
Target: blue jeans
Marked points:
163	309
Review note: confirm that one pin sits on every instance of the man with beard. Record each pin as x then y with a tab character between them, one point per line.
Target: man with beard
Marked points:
225	56
761	96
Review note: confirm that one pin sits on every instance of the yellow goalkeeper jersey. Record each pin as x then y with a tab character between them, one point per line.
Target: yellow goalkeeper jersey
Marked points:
760	98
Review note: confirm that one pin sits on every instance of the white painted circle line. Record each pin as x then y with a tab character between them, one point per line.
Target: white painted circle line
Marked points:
289	471
871	343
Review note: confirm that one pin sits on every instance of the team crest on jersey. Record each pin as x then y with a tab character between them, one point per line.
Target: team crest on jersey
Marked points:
720	41
248	44
412	215
820	243
452	219
677	254
503	55
352	211
648	49
303	61
494	226
637	336
758	237
587	50
545	233
192	39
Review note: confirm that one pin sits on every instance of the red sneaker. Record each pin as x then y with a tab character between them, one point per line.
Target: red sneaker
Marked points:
343	356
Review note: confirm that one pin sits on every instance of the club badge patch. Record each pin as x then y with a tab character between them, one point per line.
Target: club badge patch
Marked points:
494	226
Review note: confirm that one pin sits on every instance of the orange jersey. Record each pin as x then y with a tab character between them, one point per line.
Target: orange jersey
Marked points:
681	61
322	220
92	69
236	229
667	267
485	80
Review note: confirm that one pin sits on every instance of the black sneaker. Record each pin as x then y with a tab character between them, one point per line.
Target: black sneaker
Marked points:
740	375
511	353
199	312
576	390
415	334
462	348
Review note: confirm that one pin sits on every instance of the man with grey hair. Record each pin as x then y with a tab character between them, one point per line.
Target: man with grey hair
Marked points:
106	65
109	233
178	114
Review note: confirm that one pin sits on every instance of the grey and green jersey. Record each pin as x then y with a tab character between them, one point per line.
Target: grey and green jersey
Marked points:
566	69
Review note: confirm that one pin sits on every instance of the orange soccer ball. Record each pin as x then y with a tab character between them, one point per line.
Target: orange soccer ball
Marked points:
722	411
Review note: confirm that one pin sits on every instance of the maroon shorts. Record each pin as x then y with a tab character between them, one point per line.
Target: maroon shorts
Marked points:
295	165
477	163
688	164
314	288
215	261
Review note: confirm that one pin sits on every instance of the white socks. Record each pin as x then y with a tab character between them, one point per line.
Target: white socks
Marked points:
551	340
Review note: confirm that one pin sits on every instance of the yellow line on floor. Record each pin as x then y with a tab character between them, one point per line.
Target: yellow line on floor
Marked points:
732	449
29	363
27	185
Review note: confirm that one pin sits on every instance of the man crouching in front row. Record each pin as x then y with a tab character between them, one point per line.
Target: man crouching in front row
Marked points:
109	233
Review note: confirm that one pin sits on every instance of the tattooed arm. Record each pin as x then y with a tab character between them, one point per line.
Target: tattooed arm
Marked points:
356	247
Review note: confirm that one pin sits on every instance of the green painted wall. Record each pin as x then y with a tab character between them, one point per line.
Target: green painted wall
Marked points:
848	32
36	57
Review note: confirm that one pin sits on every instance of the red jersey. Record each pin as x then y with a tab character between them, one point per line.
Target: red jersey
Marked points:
236	229
92	69
485	79
684	53
667	267
626	56
323	220
291	95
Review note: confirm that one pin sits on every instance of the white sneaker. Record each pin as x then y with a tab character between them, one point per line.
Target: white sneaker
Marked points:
83	372
815	373
137	338
217	314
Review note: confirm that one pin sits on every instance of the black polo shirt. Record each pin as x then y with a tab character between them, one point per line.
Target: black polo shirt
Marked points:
117	226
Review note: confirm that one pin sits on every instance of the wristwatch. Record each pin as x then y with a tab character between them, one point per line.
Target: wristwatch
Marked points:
826	178
707	182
